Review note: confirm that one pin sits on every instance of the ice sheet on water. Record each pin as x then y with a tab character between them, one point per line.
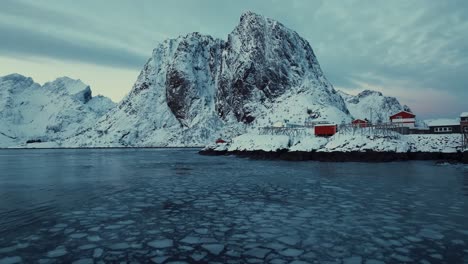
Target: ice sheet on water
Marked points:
57	252
161	243
214	249
119	246
291	252
257	252
353	260
97	253
11	260
94	238
83	261
197	256
159	260
78	235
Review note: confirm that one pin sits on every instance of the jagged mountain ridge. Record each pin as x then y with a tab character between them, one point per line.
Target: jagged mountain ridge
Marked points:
195	88
372	105
51	112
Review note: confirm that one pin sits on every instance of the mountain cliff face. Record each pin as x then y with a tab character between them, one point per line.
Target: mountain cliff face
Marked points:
196	88
52	112
372	105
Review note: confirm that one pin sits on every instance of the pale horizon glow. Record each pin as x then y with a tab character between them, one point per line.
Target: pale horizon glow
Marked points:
413	50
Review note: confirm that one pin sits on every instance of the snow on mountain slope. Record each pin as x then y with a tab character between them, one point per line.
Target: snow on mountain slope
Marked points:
196	88
372	105
52	112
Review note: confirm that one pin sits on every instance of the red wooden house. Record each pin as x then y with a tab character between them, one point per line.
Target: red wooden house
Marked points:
220	141
359	123
404	118
325	130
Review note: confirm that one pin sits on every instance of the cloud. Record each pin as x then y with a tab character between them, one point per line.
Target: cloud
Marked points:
24	42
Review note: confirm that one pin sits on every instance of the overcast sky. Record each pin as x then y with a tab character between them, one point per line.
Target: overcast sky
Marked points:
414	50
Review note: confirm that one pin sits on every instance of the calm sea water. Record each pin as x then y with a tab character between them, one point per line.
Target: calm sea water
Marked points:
164	205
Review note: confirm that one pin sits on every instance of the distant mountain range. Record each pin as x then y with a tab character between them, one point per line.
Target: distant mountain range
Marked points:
192	90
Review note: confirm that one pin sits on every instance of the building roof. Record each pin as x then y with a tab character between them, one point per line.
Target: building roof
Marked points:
360	120
403	112
442	122
320	125
464	114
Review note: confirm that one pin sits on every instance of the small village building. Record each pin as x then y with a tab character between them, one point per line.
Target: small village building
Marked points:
325	130
360	122
464	122
444	126
404	119
220	141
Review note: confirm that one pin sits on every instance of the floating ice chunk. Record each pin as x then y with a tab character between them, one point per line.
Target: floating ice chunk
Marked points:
83	261
68	231
11	260
119	246
113	227
162	243
97	253
87	246
159	260
257	252
202	231
7	249
60	226
374	261
191	240
458	242
22	245
58	252
275	246
233	253
214	249
94	229
291	252
128	222
289	240
402	258
278	261
94	238
353	260
78	235
208	240
185	248
413	239
197	256
436	256
431	234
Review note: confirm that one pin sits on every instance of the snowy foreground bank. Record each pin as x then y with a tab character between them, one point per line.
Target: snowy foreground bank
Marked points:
344	147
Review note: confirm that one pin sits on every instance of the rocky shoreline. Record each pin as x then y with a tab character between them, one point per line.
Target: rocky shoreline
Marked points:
370	156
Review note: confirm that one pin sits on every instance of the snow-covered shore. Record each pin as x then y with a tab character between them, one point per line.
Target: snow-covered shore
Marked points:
344	146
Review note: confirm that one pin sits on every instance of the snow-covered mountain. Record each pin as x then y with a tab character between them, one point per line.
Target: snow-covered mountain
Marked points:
196	88
372	105
52	112
192	90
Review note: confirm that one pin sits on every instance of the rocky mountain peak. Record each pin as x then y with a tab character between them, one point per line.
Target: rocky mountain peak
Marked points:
68	86
16	82
195	88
